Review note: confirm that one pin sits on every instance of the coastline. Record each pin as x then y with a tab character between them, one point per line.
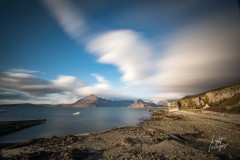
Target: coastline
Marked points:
165	135
61	122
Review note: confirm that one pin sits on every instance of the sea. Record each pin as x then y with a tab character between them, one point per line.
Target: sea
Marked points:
62	121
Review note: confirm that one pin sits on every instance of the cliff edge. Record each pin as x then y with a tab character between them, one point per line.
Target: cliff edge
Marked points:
226	99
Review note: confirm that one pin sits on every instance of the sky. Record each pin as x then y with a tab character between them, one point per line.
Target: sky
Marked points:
58	51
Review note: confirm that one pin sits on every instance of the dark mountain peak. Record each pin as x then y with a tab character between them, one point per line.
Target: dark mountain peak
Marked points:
92	97
94	101
139	104
139	101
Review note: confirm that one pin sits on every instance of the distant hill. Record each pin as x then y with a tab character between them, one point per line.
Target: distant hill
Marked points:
23	105
89	101
141	104
152	104
225	99
162	103
94	101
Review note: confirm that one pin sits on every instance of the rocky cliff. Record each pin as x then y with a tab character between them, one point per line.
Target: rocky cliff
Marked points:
94	101
172	106
141	104
162	103
227	97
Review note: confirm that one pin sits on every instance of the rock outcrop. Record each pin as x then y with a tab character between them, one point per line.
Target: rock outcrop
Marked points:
89	101
172	106
227	97
94	101
141	104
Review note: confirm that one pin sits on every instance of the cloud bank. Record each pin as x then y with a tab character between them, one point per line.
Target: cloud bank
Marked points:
22	86
202	54
126	50
200	57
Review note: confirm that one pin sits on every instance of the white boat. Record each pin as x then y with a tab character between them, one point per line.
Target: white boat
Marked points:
76	113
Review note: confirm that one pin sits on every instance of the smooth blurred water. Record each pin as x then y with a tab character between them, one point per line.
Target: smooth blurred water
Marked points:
61	121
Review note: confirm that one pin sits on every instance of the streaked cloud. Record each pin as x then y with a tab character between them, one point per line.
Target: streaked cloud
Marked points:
23	87
68	16
199	57
12	94
67	83
201	52
22	71
99	78
126	50
26	82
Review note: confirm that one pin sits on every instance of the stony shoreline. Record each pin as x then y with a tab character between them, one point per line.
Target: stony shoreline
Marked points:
166	135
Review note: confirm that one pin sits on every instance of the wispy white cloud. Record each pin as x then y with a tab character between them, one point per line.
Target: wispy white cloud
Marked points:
22	71
67	83
102	88
203	55
199	57
126	50
99	78
12	94
25	87
68	16
26	82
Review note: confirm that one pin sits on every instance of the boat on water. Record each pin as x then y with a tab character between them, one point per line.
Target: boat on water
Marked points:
76	113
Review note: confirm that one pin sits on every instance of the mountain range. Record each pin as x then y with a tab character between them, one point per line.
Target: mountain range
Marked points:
94	101
141	104
225	99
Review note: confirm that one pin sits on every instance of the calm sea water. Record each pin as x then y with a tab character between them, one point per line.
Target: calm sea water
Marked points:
61	121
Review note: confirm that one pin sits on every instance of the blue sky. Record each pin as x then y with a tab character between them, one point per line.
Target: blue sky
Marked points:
57	51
